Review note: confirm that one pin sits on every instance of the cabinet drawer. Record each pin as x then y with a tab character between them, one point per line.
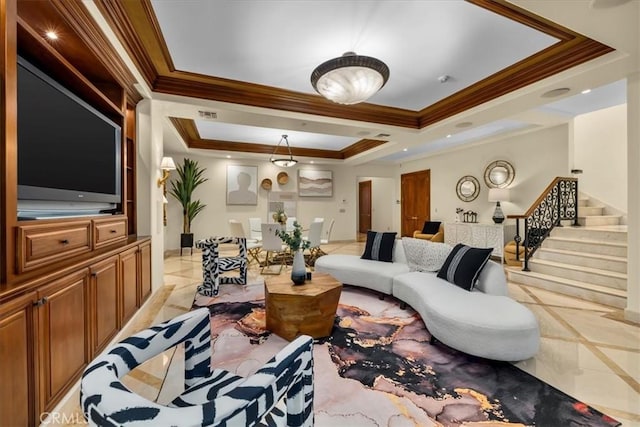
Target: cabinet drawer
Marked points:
108	231
39	245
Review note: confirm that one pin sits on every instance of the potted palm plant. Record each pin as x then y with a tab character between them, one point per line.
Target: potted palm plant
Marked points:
189	178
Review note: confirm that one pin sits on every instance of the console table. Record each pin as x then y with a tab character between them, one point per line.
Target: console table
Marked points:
480	235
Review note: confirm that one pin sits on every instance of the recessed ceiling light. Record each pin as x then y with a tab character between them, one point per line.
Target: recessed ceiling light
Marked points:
228	156
449	136
405	149
556	92
586	91
312	162
51	35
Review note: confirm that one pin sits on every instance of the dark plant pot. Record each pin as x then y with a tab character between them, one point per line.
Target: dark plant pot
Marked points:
186	240
298	279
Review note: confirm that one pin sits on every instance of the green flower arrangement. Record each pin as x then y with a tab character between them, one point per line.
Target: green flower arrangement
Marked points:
294	239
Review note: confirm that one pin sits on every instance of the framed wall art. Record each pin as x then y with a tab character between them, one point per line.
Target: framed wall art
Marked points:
242	185
315	183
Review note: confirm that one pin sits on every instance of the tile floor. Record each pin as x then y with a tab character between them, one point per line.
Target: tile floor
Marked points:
586	350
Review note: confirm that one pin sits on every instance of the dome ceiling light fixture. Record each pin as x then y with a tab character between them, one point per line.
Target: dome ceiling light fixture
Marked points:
350	78
283	162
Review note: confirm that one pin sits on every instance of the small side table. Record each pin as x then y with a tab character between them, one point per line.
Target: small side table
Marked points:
309	309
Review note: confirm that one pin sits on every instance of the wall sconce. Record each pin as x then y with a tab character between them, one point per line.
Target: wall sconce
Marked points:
166	165
165	202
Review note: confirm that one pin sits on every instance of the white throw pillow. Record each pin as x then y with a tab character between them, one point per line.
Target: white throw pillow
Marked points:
424	255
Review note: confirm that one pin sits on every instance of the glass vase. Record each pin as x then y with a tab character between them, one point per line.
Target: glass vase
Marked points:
298	269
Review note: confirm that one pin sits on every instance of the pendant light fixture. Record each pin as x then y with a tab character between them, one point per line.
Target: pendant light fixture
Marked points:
350	78
283	162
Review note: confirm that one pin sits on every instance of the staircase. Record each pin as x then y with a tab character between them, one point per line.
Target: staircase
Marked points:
588	262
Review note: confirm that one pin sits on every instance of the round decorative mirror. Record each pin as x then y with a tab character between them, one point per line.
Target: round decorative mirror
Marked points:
499	174
468	188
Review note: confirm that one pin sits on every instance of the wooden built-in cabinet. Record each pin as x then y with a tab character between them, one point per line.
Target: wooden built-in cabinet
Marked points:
129	279
49	334
144	255
67	286
40	244
62	335
104	286
17	376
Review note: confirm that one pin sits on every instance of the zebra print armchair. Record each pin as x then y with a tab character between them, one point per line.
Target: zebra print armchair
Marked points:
211	397
213	265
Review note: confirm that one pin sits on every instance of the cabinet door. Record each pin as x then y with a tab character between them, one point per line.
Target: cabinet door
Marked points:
478	236
145	271
16	366
63	336
105	321
464	234
128	284
450	234
495	239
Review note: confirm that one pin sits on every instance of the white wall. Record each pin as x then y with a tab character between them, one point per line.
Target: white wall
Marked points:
537	157
600	150
149	195
213	220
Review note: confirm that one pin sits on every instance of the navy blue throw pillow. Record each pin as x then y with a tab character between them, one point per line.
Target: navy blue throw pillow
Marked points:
463	265
431	227
379	246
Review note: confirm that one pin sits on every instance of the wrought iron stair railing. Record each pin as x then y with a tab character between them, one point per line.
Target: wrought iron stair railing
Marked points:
558	202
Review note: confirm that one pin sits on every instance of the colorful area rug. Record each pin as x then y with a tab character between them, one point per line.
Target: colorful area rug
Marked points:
378	369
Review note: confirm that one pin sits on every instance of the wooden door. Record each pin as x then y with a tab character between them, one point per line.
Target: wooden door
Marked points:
17	379
145	273
63	336
128	284
364	206
104	303
416	201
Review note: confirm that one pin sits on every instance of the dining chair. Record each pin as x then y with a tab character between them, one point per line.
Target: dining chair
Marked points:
273	246
314	238
254	229
253	246
290	221
328	239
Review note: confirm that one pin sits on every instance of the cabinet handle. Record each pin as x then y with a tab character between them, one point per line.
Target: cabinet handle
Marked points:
64	242
112	231
42	301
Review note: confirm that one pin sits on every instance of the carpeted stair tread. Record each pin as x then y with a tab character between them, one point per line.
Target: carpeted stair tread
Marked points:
591	270
569	282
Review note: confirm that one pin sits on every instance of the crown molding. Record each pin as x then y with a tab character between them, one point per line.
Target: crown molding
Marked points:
190	135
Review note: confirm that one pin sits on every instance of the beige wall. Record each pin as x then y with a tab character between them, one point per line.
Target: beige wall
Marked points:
213	220
537	157
600	150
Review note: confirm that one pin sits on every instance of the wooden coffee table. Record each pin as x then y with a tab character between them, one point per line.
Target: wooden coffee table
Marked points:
308	309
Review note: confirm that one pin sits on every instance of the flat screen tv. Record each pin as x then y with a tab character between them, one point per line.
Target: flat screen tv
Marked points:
68	152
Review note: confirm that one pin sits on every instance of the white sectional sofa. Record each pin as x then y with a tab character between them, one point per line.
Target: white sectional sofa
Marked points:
483	322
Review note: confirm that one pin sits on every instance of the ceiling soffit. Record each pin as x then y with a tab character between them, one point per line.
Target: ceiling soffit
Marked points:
136	26
189	132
